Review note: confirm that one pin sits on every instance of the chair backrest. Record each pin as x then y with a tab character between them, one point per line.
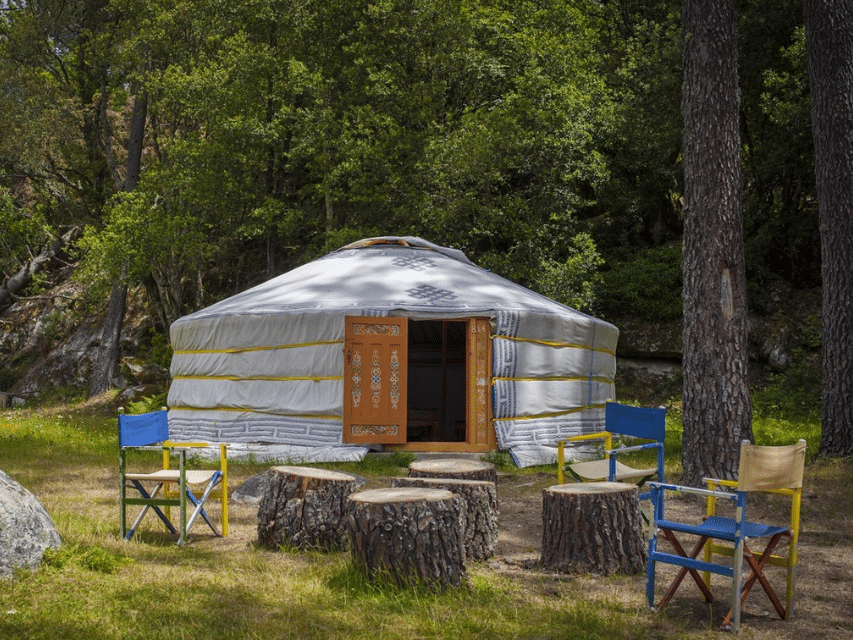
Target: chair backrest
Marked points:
142	429
764	468
638	422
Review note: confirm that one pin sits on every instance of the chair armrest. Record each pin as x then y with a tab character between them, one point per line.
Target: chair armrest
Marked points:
599	435
694	490
637	447
169	443
717	482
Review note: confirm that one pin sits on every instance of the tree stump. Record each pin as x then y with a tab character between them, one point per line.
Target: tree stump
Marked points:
412	535
593	527
304	508
481	511
458	469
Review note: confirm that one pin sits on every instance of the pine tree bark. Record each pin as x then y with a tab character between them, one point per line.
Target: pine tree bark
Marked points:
717	414
829	45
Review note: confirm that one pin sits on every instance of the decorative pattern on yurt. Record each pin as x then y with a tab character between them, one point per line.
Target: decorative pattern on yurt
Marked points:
267	365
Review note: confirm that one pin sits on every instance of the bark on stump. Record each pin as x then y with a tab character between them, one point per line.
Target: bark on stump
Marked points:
458	469
594	527
481	511
412	535
304	508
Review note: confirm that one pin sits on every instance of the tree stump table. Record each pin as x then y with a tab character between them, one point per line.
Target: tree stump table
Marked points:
481	511
412	535
593	527
304	508
456	468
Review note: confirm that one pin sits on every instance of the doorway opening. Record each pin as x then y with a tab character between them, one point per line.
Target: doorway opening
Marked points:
436	381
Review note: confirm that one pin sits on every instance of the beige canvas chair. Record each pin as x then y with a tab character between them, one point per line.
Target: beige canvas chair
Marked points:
776	470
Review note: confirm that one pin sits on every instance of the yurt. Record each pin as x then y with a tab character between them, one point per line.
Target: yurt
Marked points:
390	343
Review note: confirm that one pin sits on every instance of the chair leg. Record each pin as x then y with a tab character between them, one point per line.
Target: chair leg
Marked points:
673	587
182	457
199	505
138	486
757	575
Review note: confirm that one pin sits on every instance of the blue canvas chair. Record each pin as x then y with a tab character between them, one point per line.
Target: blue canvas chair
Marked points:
150	431
624	420
777	470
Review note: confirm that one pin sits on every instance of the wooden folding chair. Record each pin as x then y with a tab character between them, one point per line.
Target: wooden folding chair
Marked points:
624	420
777	470
150	431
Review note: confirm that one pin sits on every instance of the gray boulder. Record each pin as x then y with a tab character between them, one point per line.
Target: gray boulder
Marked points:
26	529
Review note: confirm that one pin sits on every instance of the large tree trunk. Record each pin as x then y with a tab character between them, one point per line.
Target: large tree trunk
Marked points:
829	44
108	354
717	412
105	362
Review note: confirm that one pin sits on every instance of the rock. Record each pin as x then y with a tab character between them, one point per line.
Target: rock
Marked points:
142	372
26	529
251	490
137	393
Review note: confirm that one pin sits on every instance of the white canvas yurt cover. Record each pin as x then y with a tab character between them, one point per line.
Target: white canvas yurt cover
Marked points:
273	364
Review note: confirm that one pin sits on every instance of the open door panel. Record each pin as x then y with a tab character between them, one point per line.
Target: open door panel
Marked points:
375	380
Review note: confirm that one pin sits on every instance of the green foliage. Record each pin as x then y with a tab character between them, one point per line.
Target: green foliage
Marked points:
147	404
24	230
159	350
85	557
641	198
795	394
646	284
501	459
576	281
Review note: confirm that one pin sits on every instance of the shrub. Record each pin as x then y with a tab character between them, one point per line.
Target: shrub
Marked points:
646	285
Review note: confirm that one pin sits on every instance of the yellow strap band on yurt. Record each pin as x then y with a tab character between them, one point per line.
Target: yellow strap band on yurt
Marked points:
319	343
260	378
553	343
317	416
555	414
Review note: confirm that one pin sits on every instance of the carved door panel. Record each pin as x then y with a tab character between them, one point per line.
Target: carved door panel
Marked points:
375	378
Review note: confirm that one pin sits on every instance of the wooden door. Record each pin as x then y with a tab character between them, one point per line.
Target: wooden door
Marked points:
375	379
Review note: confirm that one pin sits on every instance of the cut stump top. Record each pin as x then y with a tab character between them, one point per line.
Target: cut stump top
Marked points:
451	465
311	472
401	494
589	488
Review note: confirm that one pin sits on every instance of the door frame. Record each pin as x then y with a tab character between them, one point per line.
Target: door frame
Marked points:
480	434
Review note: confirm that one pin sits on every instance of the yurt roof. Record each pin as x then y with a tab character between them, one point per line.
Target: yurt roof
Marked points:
386	274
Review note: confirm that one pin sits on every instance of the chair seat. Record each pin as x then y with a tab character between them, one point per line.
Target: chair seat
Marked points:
173	475
722	528
599	469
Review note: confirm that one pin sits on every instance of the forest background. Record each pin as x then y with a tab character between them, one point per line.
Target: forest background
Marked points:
193	149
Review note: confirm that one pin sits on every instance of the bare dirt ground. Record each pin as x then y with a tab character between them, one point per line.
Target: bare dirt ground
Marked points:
823	606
